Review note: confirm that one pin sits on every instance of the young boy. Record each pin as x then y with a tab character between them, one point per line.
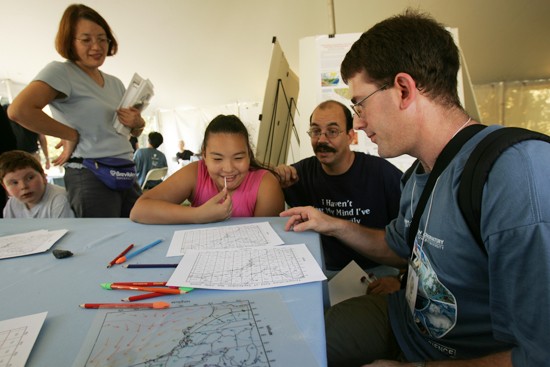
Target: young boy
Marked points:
31	196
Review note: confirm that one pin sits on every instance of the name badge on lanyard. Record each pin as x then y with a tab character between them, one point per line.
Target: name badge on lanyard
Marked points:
413	277
412	286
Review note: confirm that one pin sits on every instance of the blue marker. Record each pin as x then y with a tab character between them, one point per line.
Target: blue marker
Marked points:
137	252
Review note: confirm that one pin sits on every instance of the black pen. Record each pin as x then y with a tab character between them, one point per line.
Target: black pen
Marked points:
368	278
150	265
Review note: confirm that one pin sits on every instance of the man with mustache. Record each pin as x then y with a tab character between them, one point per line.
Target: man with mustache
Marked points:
361	188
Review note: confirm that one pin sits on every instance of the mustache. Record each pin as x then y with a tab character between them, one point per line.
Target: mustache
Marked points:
324	148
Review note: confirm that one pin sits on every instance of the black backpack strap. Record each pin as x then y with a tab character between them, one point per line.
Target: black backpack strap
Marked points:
477	169
445	157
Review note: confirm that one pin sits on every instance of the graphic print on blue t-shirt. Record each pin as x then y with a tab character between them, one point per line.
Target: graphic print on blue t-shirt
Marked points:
155	160
435	310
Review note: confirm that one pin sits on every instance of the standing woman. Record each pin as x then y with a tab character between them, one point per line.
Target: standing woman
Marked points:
83	101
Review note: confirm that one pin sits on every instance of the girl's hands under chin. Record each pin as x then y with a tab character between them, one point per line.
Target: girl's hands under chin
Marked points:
218	208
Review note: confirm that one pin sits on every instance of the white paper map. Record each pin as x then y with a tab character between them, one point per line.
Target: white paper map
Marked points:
17	337
29	243
247	268
224	237
258	331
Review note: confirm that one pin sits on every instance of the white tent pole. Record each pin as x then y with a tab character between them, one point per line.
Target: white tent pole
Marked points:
332	24
8	89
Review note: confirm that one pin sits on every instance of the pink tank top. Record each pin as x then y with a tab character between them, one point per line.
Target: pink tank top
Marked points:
244	197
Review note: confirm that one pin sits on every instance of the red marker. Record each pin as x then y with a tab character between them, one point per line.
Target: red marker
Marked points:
113	262
141	284
122	259
156	305
143	296
143	289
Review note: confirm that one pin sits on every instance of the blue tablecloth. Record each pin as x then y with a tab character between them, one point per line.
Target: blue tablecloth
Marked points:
40	282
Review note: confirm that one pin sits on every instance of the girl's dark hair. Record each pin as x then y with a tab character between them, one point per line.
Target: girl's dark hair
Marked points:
230	124
64	41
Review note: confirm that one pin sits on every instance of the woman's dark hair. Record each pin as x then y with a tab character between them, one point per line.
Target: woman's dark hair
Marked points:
230	124
64	41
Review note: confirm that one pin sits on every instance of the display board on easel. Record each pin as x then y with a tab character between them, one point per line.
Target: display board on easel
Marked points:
279	107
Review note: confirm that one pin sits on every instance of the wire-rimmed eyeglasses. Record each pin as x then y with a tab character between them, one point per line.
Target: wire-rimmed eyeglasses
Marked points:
358	107
88	41
330	133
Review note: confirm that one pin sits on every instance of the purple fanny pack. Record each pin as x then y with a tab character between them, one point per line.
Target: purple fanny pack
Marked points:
117	173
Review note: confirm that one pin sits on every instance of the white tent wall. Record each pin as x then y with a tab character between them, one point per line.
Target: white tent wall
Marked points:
214	52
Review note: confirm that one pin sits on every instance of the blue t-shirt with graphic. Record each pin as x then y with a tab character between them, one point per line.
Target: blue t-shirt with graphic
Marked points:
469	304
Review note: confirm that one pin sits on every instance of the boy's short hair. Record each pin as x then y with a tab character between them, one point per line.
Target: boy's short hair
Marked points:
155	139
18	159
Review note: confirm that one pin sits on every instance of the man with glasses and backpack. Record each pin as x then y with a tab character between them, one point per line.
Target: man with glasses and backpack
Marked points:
464	304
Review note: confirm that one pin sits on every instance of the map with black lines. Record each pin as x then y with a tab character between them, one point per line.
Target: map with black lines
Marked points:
17	337
29	243
223	237
217	333
247	268
9	341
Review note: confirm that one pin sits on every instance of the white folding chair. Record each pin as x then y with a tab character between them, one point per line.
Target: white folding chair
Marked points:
154	175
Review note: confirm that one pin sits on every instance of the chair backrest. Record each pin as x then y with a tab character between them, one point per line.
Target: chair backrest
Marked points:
154	175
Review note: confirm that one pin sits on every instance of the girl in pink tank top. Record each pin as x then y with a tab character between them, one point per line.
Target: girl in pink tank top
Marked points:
227	181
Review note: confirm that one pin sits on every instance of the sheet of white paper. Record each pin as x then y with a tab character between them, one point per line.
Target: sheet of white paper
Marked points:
247	268
213	331
224	237
347	283
29	243
17	337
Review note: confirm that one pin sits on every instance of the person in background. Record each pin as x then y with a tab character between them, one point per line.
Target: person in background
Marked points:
134	142
30	142
84	102
148	158
31	196
464	304
227	182
183	154
361	188
7	142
